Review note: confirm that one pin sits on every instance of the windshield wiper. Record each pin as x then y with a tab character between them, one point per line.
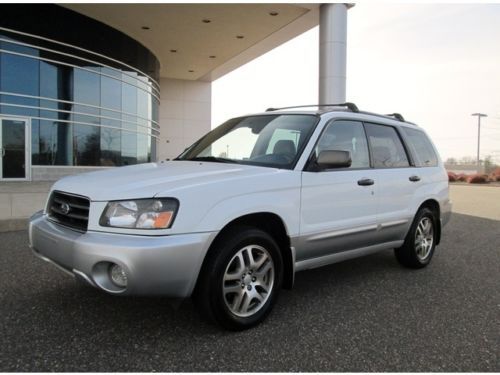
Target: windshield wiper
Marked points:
213	158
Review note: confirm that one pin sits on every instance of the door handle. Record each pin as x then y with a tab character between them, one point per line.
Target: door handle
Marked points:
3	152
365	182
414	178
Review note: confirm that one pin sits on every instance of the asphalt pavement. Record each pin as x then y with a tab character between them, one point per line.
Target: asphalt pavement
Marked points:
367	314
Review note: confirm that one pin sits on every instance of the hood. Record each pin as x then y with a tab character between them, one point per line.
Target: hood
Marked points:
148	180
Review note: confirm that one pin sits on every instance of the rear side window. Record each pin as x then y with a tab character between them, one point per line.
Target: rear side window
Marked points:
386	146
425	156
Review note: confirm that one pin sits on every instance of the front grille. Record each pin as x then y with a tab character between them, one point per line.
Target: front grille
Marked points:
69	210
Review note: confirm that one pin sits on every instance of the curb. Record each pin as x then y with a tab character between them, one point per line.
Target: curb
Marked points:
11	225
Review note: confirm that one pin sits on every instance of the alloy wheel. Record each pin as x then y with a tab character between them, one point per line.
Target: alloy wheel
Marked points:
248	280
424	238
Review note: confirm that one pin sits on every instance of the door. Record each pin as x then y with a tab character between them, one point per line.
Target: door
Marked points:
396	187
14	149
338	207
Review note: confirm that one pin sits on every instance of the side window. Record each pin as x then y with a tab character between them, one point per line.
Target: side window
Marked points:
387	149
346	136
422	148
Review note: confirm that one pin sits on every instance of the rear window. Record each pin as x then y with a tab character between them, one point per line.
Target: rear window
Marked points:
421	147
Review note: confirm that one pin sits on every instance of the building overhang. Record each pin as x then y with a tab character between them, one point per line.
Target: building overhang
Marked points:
203	41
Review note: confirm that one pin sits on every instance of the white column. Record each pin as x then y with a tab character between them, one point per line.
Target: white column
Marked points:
185	115
332	53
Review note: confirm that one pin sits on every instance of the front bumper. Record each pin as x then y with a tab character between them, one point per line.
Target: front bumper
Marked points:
162	265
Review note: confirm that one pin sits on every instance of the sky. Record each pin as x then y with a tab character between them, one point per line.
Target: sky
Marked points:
435	64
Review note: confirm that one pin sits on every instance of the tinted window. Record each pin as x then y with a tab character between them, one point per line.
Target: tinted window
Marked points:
387	149
46	92
421	147
86	145
346	136
19	74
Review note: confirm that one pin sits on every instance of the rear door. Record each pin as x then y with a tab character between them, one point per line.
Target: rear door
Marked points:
395	185
338	206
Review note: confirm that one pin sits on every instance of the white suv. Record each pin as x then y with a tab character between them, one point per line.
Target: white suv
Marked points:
257	199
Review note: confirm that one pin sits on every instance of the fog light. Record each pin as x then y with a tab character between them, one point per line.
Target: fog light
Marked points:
118	275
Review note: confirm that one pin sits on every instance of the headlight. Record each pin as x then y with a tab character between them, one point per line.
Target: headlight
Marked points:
140	213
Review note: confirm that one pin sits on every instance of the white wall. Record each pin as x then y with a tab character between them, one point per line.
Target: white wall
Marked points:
185	115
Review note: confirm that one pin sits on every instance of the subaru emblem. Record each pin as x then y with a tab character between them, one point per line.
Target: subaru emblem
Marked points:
65	208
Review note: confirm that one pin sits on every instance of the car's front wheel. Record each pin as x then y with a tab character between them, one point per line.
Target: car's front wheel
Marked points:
241	279
420	242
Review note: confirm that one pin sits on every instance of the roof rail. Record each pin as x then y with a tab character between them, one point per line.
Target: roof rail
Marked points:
351	106
397	116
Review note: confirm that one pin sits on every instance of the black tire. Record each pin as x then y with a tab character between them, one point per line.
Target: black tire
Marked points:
408	255
209	296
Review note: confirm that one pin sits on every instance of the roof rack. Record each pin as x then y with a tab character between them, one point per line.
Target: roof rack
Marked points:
351	106
397	116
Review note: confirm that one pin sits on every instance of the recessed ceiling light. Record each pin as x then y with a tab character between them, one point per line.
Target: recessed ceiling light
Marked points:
273	13
206	20
173	50
212	56
239	36
145	27
191	71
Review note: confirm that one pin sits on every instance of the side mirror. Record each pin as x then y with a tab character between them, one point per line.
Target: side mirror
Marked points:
329	159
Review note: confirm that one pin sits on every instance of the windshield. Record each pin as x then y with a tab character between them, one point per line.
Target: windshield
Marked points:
267	140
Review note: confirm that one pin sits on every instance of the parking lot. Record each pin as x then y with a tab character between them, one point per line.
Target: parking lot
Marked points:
367	314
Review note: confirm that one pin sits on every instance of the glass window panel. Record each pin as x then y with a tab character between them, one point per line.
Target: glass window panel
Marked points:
112	72
387	149
153	149
18	48
86	87
129	105
19	74
143	100
154	110
21	106
142	148
86	145
111	96
346	136
129	148
422	148
49	86
55	143
110	147
13	136
35	141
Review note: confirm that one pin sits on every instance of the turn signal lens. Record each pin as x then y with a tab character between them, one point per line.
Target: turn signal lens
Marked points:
163	219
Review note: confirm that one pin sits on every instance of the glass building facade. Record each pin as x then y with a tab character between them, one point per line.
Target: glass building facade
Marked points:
89	92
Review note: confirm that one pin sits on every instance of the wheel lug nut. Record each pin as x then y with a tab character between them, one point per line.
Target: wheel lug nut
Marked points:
249	287
253	279
242	285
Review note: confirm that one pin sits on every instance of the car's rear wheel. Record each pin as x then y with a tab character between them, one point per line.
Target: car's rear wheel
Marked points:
241	279
420	242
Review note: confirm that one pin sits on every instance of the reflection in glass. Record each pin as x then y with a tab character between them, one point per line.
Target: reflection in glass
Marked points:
12	149
110	147
19	74
129	148
86	145
59	134
55	145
